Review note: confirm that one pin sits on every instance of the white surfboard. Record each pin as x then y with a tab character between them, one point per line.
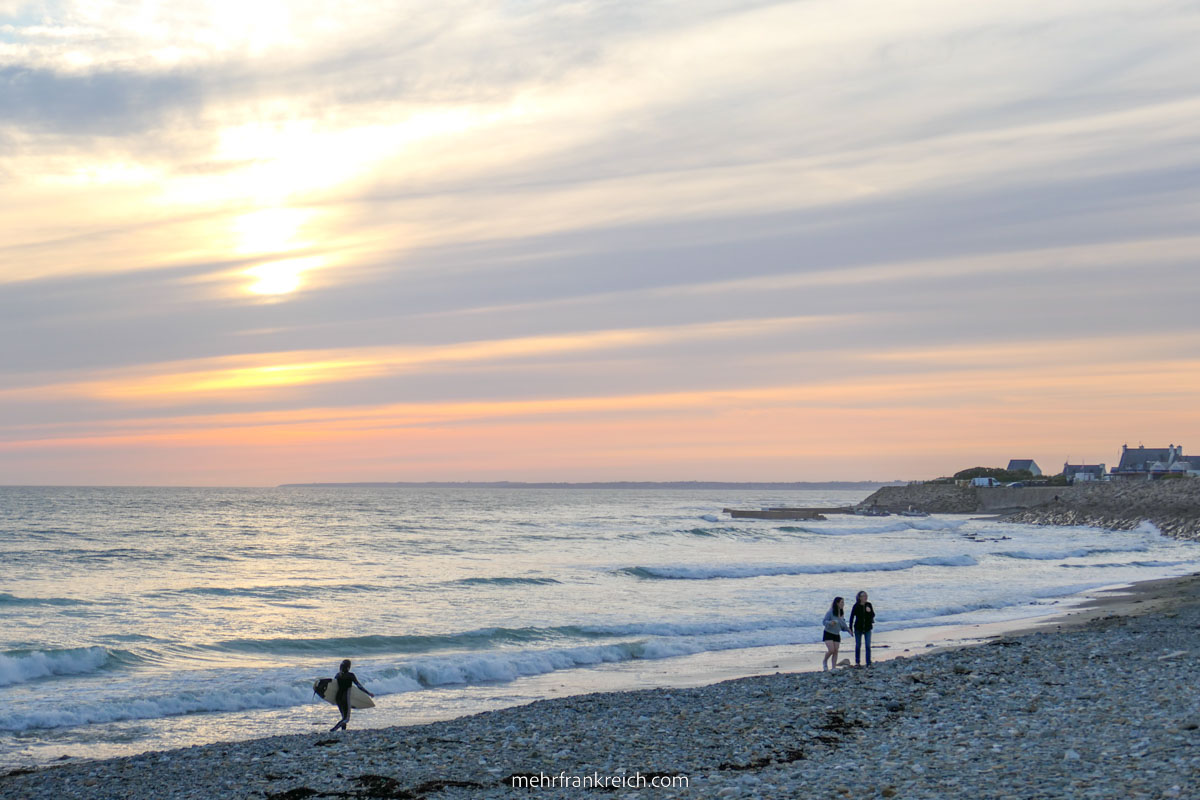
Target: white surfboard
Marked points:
358	698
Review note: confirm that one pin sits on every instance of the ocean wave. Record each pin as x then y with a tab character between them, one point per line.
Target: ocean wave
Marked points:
423	673
285	592
118	553
935	524
925	616
897	526
401	643
138	707
22	666
494	638
1127	564
502	581
710	532
712	571
1075	552
13	600
474	668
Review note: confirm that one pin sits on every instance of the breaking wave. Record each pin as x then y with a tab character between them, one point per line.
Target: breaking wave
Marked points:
702	572
503	581
13	600
898	526
1075	552
22	666
1126	564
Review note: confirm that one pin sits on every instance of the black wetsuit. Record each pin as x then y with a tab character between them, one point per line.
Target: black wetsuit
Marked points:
344	681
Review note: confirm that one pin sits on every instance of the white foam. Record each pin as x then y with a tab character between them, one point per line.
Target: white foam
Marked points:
896	526
935	524
1075	552
851	530
1146	526
24	667
712	571
153	707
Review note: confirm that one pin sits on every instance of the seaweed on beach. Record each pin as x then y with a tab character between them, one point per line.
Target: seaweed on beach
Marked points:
757	763
19	771
299	793
440	785
518	778
838	727
381	786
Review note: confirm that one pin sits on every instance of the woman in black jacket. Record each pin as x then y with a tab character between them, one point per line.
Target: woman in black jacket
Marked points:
862	620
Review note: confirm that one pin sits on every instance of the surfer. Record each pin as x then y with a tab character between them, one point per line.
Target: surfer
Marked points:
346	679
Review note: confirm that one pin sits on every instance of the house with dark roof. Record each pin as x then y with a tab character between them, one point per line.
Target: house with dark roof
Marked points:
1083	472
1026	464
1148	463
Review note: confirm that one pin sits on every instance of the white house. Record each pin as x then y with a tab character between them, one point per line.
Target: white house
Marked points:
1078	473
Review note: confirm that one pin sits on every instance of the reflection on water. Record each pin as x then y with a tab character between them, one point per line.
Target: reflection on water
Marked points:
133	619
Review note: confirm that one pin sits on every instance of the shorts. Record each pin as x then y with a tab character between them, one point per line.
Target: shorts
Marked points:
831	637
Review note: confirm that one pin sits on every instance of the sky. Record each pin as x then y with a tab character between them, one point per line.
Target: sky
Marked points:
250	243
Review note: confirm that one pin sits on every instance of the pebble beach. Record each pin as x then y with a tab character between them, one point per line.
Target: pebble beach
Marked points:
1102	702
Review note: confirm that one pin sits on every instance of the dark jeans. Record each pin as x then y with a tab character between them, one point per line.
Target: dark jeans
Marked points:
858	641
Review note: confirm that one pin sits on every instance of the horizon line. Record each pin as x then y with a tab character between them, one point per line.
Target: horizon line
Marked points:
466	484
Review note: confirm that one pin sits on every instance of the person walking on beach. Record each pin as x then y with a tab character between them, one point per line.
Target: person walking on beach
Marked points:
835	623
862	620
345	679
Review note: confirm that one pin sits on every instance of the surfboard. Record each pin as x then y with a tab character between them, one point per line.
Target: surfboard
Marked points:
327	688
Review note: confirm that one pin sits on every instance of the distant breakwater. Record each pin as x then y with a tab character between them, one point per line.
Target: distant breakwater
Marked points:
1173	506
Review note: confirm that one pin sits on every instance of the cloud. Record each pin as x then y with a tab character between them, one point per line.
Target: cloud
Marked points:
474	204
99	103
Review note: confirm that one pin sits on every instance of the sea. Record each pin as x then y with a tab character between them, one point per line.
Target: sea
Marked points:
135	619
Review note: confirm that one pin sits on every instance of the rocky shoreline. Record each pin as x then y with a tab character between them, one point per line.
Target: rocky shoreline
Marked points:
1108	707
1173	506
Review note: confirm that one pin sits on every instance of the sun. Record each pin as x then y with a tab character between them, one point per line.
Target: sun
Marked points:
280	277
273	233
272	230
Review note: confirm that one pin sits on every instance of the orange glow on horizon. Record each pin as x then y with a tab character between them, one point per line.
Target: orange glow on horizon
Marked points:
843	426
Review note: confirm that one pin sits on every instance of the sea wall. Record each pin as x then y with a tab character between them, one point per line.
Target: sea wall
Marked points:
936	498
1004	499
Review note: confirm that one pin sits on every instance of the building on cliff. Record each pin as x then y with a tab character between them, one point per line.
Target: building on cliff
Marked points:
1025	463
1148	463
1078	473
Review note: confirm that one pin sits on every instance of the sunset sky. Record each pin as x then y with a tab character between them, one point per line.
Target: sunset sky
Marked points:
256	242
